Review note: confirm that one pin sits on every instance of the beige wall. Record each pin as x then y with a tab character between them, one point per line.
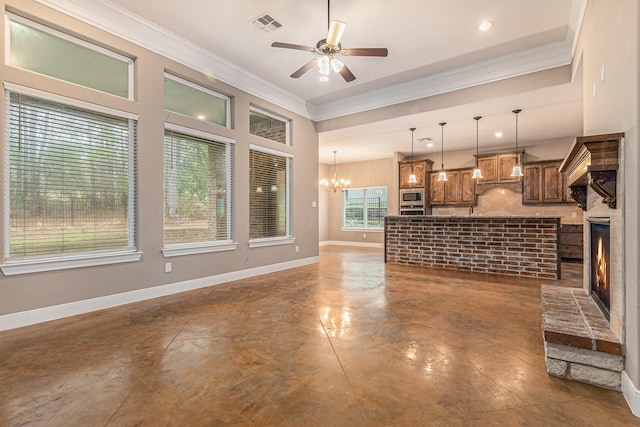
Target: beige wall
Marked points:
374	173
35	291
609	38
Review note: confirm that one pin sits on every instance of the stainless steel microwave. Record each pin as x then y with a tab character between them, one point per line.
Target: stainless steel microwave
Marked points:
412	197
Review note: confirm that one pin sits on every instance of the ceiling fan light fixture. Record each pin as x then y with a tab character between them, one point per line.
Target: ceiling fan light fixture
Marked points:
336	65
323	65
336	28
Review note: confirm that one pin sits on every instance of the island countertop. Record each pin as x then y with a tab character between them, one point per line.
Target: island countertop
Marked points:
512	245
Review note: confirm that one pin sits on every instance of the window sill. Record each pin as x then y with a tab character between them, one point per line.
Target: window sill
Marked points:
198	248
371	230
13	268
271	241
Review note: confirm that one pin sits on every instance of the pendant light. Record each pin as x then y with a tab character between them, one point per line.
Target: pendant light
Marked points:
412	177
443	175
335	184
477	173
517	171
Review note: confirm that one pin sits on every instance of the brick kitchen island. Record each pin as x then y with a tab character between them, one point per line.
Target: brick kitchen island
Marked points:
518	246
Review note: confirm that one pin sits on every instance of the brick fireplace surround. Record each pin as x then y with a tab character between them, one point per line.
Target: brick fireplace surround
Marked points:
580	343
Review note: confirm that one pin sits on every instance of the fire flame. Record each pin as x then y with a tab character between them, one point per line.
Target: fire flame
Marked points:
601	267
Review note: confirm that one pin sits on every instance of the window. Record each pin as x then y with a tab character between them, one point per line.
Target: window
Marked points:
364	207
189	99
43	50
197	192
71	180
268	125
270	196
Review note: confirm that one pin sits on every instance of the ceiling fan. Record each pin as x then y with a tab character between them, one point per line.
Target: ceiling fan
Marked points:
328	49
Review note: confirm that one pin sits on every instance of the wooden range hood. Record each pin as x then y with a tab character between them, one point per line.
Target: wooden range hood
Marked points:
593	161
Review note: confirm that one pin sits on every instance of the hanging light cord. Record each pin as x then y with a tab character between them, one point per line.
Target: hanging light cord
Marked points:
442	145
477	119
412	129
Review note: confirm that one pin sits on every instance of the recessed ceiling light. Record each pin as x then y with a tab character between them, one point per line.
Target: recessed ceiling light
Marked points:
485	26
201	117
324	78
499	134
430	145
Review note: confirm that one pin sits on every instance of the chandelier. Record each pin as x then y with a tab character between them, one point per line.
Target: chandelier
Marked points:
334	184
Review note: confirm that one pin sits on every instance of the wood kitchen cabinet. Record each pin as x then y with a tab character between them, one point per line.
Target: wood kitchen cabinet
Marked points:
497	167
420	168
458	190
571	242
543	183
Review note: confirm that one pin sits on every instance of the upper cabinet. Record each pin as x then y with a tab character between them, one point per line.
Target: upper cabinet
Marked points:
419	168
497	168
544	183
458	190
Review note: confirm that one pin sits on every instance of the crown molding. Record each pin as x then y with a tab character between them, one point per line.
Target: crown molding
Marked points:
120	22
508	66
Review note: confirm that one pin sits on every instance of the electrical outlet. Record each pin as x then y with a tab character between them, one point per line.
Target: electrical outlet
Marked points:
167	267
364	235
297	248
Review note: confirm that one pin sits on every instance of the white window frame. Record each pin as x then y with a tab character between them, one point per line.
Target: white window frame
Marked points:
208	91
7	51
286	121
288	238
179	249
63	261
366	228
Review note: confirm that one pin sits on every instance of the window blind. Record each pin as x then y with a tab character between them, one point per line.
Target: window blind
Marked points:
197	189
270	194
71	179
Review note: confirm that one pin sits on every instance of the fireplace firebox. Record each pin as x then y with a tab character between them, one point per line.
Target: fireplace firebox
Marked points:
599	283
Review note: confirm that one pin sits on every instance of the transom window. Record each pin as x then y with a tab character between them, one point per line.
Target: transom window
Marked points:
270	197
70	174
364	207
268	125
43	50
192	100
197	189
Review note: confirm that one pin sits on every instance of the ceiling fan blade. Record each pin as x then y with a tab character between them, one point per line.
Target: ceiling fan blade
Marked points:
336	28
346	74
306	67
293	46
366	51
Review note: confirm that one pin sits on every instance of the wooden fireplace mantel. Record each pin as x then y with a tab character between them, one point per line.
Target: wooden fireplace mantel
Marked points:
593	161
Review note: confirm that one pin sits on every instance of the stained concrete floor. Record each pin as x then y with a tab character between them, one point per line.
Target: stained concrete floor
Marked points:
346	342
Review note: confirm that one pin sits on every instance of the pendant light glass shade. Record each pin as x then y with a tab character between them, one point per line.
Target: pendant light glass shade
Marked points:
412	177
517	171
443	175
477	173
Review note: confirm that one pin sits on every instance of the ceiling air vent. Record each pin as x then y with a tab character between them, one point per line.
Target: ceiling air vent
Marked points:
266	23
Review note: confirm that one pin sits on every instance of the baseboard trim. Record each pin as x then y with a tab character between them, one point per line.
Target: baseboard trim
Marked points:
345	243
631	394
40	315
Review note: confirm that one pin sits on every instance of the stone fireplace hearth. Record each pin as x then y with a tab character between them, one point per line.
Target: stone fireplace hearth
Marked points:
583	333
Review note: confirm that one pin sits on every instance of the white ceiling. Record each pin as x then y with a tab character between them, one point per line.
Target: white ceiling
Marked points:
434	47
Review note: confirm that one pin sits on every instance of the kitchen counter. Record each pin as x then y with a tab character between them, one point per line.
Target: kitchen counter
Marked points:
511	245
